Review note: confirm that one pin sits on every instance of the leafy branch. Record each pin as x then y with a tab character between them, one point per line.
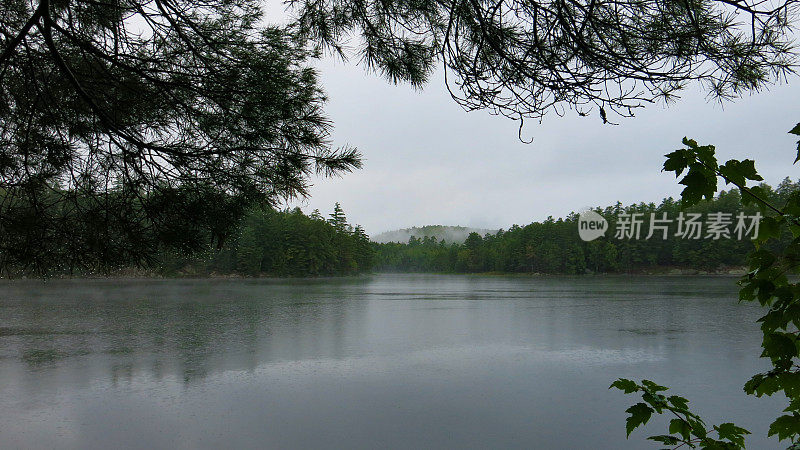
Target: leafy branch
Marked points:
686	429
768	280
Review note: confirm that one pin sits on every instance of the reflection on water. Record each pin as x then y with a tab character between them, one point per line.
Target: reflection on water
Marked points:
390	360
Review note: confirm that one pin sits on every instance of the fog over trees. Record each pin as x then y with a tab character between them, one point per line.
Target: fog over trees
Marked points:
446	233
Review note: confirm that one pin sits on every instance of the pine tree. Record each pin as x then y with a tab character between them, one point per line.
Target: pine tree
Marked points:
338	218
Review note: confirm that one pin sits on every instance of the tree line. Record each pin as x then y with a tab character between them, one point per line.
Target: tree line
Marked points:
197	232
554	246
283	243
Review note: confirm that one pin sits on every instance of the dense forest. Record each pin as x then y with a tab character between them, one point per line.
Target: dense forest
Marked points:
105	235
553	246
283	243
290	243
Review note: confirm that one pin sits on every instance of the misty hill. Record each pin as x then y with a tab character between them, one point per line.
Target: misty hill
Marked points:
450	234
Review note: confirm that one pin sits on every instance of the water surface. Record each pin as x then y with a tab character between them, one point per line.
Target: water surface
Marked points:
389	361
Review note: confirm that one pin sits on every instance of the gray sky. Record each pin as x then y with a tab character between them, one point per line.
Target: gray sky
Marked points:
429	162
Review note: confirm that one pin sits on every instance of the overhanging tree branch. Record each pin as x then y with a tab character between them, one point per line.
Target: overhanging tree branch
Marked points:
12	45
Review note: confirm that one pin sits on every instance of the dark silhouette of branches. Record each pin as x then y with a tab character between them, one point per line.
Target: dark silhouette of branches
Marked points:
116	105
523	58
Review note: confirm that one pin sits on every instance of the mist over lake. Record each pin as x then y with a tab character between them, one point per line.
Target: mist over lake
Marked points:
389	361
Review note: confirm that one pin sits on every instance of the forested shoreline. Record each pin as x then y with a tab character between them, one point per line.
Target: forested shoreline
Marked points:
289	243
265	242
282	243
554	246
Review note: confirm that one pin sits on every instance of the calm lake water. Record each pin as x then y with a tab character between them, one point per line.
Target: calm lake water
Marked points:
387	361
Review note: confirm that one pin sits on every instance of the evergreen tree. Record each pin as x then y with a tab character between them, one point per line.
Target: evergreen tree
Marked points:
338	218
124	115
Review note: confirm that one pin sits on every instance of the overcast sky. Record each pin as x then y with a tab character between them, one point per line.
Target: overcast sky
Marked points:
426	161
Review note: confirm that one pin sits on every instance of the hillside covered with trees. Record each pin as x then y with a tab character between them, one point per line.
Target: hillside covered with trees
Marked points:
554	246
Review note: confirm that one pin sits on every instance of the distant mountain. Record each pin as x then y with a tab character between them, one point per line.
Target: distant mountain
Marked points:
449	234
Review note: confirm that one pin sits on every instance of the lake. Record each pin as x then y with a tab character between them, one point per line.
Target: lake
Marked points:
385	361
